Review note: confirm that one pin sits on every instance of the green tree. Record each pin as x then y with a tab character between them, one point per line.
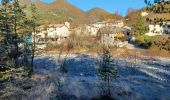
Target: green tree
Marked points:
18	19
139	27
13	33
107	70
32	24
12	18
14	30
5	25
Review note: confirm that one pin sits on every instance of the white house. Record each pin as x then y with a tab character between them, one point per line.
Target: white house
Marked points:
143	14
58	30
155	30
92	29
87	30
118	23
53	32
99	24
158	29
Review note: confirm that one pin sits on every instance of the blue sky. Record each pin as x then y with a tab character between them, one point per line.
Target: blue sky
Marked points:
120	6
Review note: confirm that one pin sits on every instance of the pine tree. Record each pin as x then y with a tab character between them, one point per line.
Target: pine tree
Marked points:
7	27
12	22
107	70
18	18
31	25
35	24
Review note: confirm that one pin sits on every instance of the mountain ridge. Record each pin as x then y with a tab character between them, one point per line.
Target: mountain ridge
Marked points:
61	10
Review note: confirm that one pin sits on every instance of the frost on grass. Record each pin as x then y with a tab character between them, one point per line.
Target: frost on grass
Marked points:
147	80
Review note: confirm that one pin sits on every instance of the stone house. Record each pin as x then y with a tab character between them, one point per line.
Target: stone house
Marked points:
59	30
53	32
118	24
112	36
92	29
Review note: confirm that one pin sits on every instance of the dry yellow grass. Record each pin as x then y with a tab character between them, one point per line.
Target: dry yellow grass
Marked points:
165	16
115	51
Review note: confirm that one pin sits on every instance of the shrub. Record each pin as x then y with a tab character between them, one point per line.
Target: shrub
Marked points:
162	42
14	73
145	41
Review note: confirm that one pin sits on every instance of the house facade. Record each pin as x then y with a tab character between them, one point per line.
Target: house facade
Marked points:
112	36
157	29
143	14
92	29
54	32
118	23
58	30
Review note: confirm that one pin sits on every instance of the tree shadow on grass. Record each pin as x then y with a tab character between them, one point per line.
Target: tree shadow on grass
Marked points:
83	67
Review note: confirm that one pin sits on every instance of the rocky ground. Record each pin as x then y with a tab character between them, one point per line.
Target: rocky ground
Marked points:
141	78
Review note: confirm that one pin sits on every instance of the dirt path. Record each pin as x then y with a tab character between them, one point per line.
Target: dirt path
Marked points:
133	47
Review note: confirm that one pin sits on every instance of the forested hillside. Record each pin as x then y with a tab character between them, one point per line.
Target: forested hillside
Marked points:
61	10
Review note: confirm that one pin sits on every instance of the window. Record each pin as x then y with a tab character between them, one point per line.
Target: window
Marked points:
168	26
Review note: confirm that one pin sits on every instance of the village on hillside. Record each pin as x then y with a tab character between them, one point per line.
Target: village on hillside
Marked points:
115	33
59	50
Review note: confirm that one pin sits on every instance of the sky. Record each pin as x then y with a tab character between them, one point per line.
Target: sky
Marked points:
120	6
112	6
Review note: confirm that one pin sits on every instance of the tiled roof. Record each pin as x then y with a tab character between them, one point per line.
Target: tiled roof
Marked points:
109	30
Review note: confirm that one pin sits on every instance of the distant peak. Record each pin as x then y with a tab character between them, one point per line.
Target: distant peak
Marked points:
41	1
98	10
61	0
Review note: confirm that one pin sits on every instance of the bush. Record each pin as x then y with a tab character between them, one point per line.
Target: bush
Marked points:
145	41
163	43
14	73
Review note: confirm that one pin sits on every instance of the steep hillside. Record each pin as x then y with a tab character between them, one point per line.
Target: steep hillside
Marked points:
132	17
165	16
24	2
60	11
161	13
114	17
97	14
